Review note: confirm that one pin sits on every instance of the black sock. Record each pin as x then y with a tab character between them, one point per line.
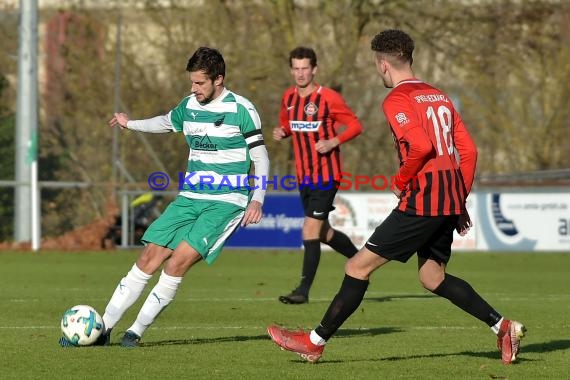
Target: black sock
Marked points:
342	306
311	259
341	243
462	295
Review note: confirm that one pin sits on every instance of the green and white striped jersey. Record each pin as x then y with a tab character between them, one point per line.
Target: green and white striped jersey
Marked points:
219	134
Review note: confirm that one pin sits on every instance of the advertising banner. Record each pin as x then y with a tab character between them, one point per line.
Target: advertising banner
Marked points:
523	221
503	221
358	214
280	226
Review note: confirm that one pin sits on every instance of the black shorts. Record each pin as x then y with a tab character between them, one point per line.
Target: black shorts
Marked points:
318	199
401	235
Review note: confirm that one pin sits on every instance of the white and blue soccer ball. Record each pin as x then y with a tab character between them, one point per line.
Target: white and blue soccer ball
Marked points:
82	325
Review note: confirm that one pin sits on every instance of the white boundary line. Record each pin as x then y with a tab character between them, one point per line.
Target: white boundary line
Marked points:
369	297
211	327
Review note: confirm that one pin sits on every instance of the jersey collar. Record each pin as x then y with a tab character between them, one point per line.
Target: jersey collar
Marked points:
411	80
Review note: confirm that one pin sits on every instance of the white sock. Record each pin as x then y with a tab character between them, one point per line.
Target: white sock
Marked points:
316	339
160	297
497	326
127	292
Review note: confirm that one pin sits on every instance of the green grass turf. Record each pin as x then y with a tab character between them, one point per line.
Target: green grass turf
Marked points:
215	328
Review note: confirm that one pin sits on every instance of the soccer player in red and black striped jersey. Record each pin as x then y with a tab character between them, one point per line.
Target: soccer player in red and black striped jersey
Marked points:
318	120
437	166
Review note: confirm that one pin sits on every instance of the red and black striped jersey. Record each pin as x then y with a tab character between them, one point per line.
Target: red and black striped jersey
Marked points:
315	117
437	154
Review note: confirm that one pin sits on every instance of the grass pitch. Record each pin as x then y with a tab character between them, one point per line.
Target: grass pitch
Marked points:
215	328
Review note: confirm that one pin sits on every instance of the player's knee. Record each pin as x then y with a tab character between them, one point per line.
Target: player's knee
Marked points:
354	269
181	260
152	257
311	230
326	234
430	282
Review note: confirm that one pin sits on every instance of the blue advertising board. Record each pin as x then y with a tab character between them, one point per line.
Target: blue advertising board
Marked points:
280	226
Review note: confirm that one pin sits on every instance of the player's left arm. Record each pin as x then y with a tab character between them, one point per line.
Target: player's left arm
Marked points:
260	159
467	151
251	129
343	116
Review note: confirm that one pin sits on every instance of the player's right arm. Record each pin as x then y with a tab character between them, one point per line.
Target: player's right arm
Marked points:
409	134
171	122
158	124
278	134
284	130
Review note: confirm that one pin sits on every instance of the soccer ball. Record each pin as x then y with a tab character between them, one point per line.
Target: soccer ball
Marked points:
81	325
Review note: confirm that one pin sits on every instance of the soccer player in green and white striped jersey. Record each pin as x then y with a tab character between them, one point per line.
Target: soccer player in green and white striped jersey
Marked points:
223	131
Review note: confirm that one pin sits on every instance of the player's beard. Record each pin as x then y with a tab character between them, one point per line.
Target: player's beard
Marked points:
207	99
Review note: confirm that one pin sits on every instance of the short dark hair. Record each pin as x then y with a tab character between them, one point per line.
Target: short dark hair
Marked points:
394	43
209	61
302	52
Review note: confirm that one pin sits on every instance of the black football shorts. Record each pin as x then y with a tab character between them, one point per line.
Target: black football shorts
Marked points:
318	199
401	235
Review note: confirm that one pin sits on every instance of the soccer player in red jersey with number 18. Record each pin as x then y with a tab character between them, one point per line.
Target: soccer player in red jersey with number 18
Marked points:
312	116
437	166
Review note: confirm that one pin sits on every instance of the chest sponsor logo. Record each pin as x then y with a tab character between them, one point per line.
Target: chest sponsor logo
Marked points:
304	126
203	143
311	109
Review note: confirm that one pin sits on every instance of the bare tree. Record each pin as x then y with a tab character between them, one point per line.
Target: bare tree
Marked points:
505	64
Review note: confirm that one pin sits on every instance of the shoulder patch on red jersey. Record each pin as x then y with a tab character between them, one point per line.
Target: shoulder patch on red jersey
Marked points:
402	119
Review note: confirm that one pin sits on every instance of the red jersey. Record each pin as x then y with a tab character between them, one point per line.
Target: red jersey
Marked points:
315	117
437	154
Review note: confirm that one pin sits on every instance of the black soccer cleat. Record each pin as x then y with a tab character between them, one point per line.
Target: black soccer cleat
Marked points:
104	339
294	298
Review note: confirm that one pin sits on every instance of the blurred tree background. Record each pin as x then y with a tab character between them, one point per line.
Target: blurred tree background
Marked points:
506	64
8	57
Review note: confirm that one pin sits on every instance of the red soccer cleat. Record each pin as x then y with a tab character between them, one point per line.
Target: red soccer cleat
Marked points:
297	342
509	339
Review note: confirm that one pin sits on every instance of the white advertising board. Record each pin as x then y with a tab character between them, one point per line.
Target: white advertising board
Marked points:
503	221
358	214
519	221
